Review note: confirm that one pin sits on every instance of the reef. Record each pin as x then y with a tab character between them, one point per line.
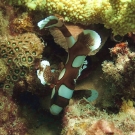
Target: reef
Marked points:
22	24
20	53
10	121
117	15
37	60
121	70
82	118
3	24
3	70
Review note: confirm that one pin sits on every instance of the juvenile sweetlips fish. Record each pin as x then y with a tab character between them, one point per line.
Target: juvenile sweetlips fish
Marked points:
87	42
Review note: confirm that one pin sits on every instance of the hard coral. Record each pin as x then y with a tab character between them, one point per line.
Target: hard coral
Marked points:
82	118
91	11
22	24
3	24
20	53
10	122
103	127
3	70
121	71
128	107
120	48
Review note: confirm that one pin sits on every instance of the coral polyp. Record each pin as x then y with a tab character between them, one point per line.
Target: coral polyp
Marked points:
17	53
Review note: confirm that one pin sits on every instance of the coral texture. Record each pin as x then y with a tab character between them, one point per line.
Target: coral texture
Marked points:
22	24
3	70
10	122
115	14
121	70
82	118
3	24
19	54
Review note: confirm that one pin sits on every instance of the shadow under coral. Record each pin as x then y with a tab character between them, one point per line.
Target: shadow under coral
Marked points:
40	121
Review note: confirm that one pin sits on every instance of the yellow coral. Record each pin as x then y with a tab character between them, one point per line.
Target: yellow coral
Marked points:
3	131
127	106
22	24
117	15
3	70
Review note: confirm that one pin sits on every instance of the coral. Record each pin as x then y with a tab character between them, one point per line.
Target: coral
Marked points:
3	70
117	15
119	49
44	72
132	36
121	71
21	50
32	5
3	24
128	107
82	118
19	54
10	122
103	127
7	13
22	24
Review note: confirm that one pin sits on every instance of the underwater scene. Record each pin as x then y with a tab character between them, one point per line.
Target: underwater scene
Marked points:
67	67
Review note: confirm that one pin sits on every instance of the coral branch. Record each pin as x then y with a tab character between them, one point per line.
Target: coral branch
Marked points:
117	15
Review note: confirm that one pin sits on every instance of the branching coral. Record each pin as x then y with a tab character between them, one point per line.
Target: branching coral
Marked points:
117	14
21	50
121	71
